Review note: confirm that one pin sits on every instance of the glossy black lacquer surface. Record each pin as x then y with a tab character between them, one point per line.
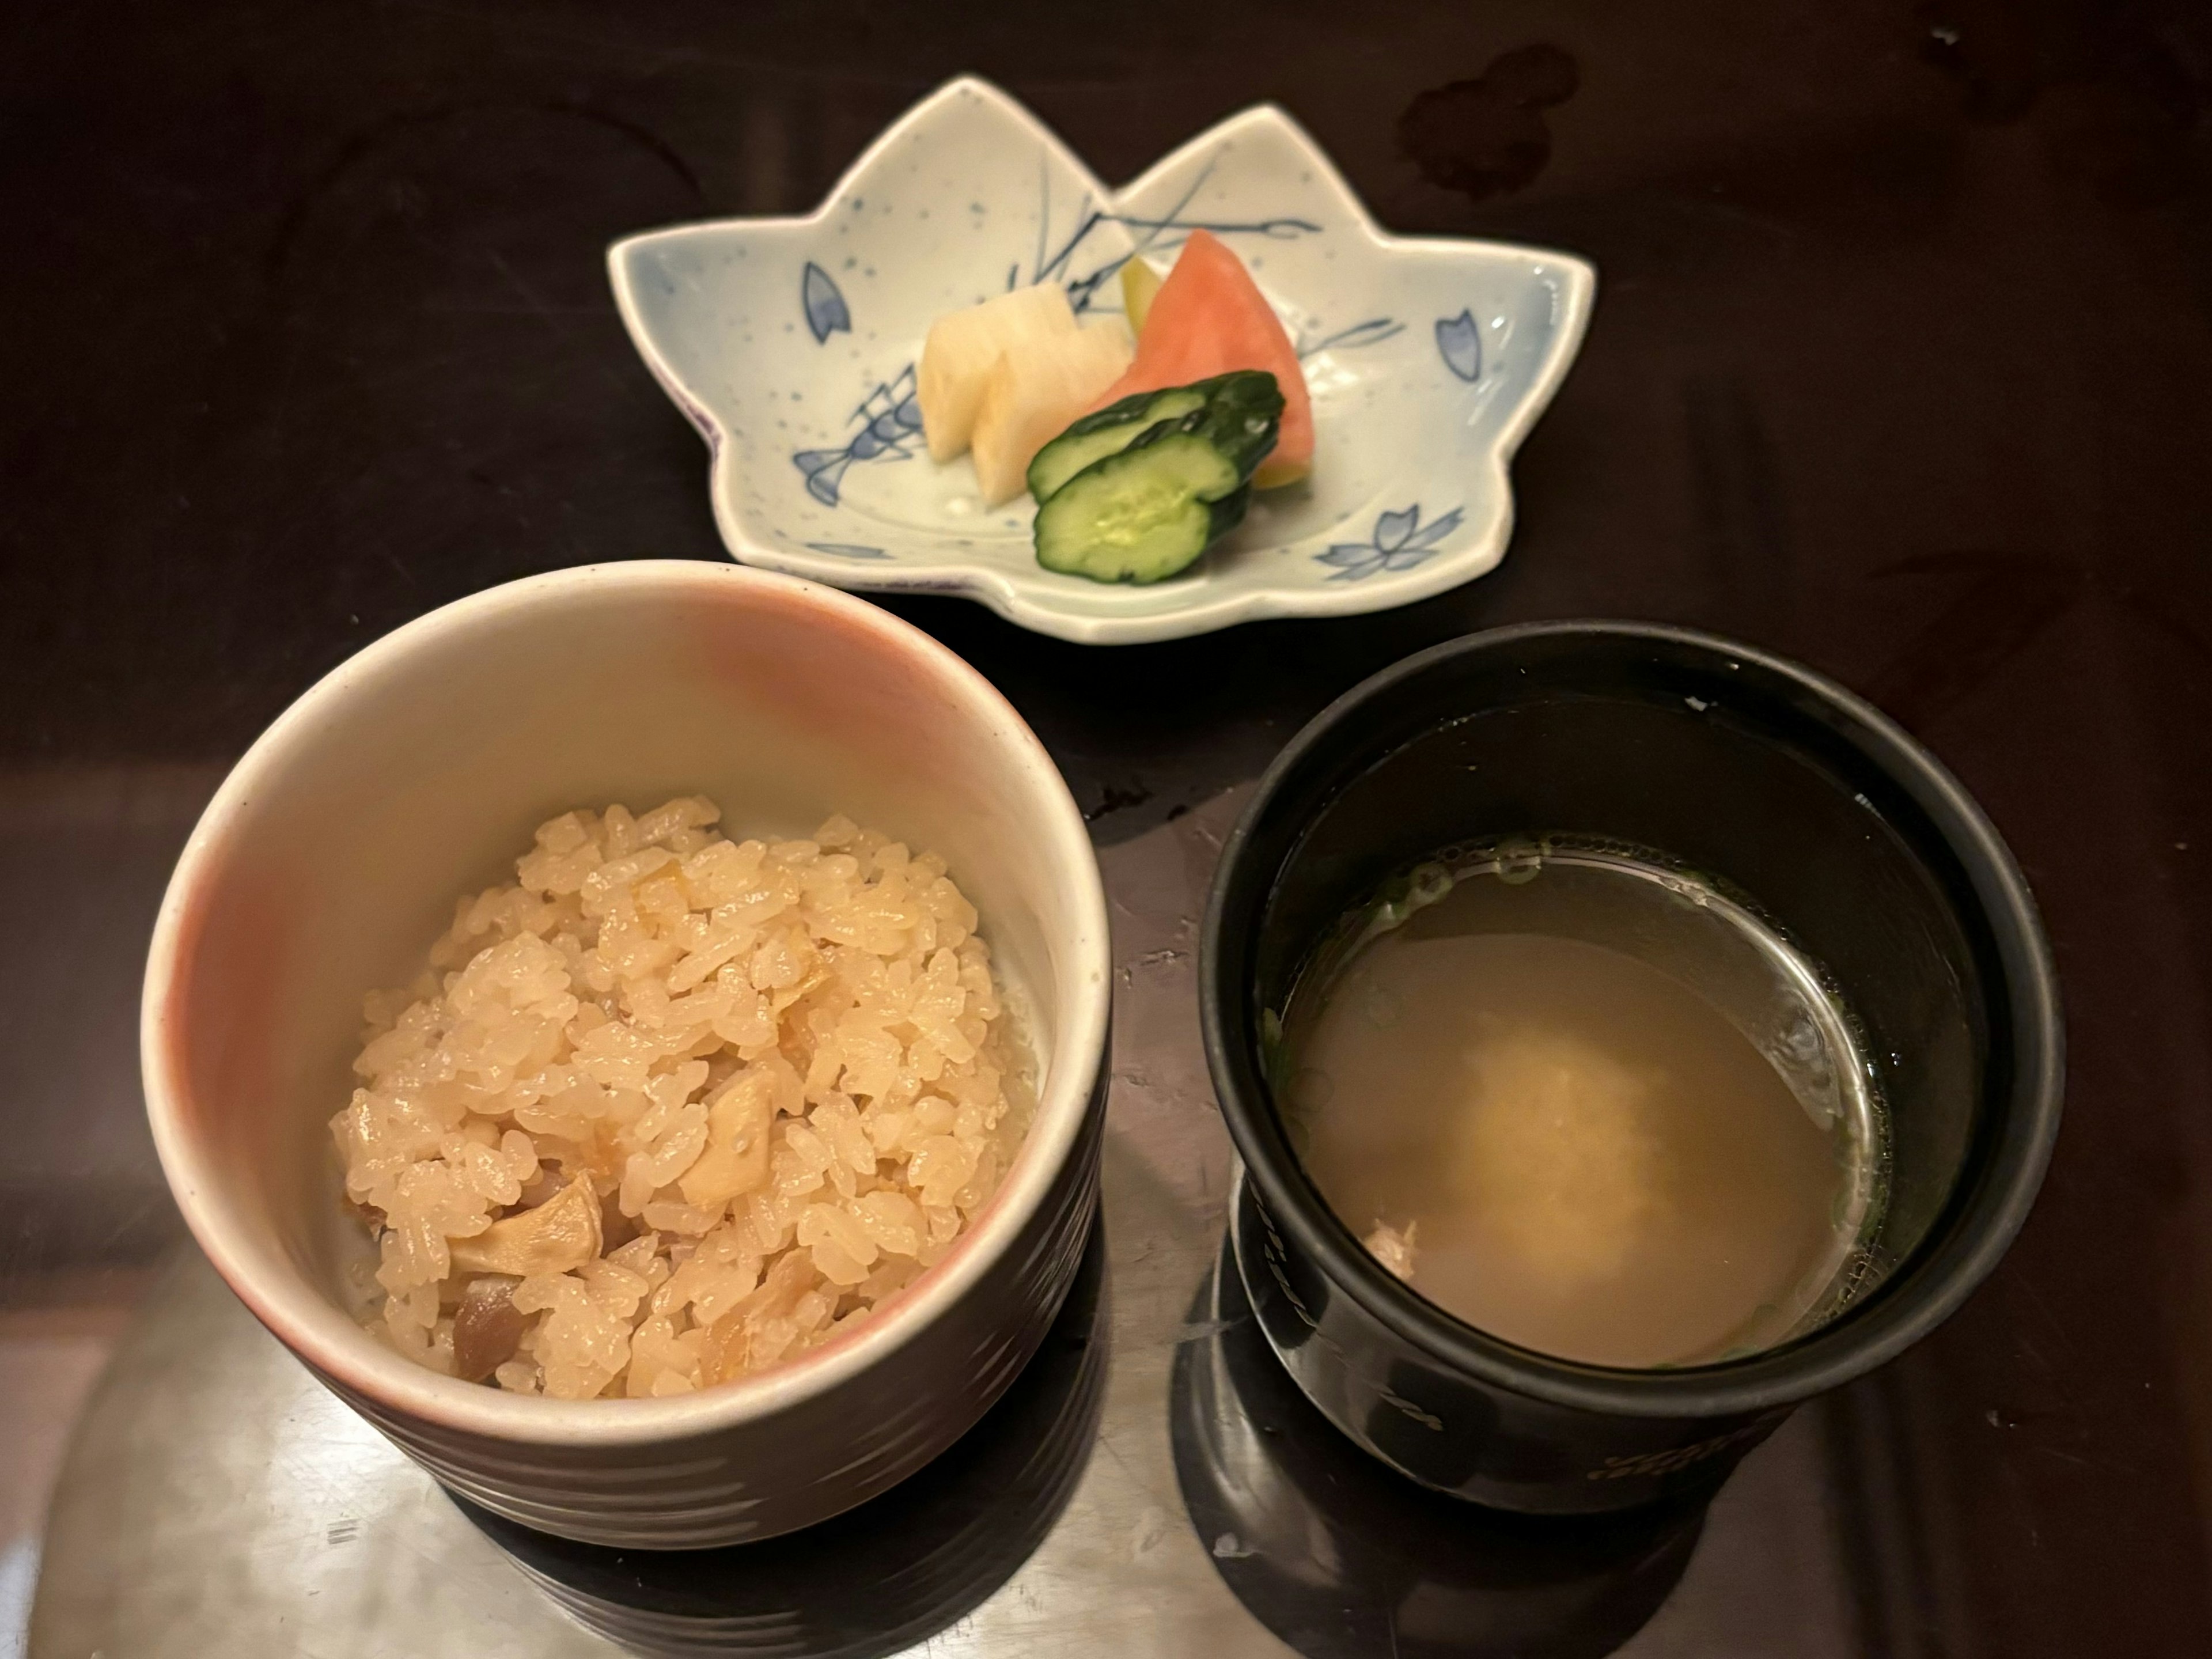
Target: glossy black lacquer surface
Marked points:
1900	367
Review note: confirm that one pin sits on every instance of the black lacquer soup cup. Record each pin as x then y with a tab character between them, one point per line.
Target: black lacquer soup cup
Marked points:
1853	842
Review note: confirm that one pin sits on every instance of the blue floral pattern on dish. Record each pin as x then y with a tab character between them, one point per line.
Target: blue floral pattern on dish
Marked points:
1460	340
1400	542
1373	332
1160	235
827	312
893	421
848	550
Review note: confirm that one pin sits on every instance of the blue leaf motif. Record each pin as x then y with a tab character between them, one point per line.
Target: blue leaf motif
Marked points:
826	312
1430	534
1392	529
848	550
1461	342
1401	541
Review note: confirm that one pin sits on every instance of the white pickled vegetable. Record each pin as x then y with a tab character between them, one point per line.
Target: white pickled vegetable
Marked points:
965	346
1032	396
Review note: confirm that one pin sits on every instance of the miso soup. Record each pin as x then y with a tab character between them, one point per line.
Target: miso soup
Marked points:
1587	1104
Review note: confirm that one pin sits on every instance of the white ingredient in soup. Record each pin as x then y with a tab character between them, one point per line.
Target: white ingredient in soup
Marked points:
1394	1248
672	1109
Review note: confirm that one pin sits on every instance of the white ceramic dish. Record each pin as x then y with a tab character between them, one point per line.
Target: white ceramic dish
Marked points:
332	856
790	343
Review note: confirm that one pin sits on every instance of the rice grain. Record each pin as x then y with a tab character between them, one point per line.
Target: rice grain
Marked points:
670	1109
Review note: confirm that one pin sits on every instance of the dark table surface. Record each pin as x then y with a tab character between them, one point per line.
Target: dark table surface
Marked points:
1899	365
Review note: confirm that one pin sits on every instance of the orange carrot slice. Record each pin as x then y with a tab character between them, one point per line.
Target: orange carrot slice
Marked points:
1209	318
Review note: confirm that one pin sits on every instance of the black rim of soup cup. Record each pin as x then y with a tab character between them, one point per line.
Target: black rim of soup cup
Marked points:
2016	1120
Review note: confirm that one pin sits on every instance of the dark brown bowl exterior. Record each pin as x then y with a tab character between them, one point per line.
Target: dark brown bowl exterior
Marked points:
1752	768
878	1578
1427	1419
1340	1557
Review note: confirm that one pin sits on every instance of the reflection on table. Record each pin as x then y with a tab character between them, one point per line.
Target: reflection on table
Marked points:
1340	1556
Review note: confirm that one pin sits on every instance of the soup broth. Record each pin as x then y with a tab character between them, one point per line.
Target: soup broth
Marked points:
1588	1105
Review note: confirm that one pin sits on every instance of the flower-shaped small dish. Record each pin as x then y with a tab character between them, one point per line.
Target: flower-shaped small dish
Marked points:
790	344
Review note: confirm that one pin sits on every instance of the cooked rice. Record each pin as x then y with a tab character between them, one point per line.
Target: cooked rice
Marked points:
674	1109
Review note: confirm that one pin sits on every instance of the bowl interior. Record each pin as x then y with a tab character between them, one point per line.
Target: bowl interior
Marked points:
417	772
1731	765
